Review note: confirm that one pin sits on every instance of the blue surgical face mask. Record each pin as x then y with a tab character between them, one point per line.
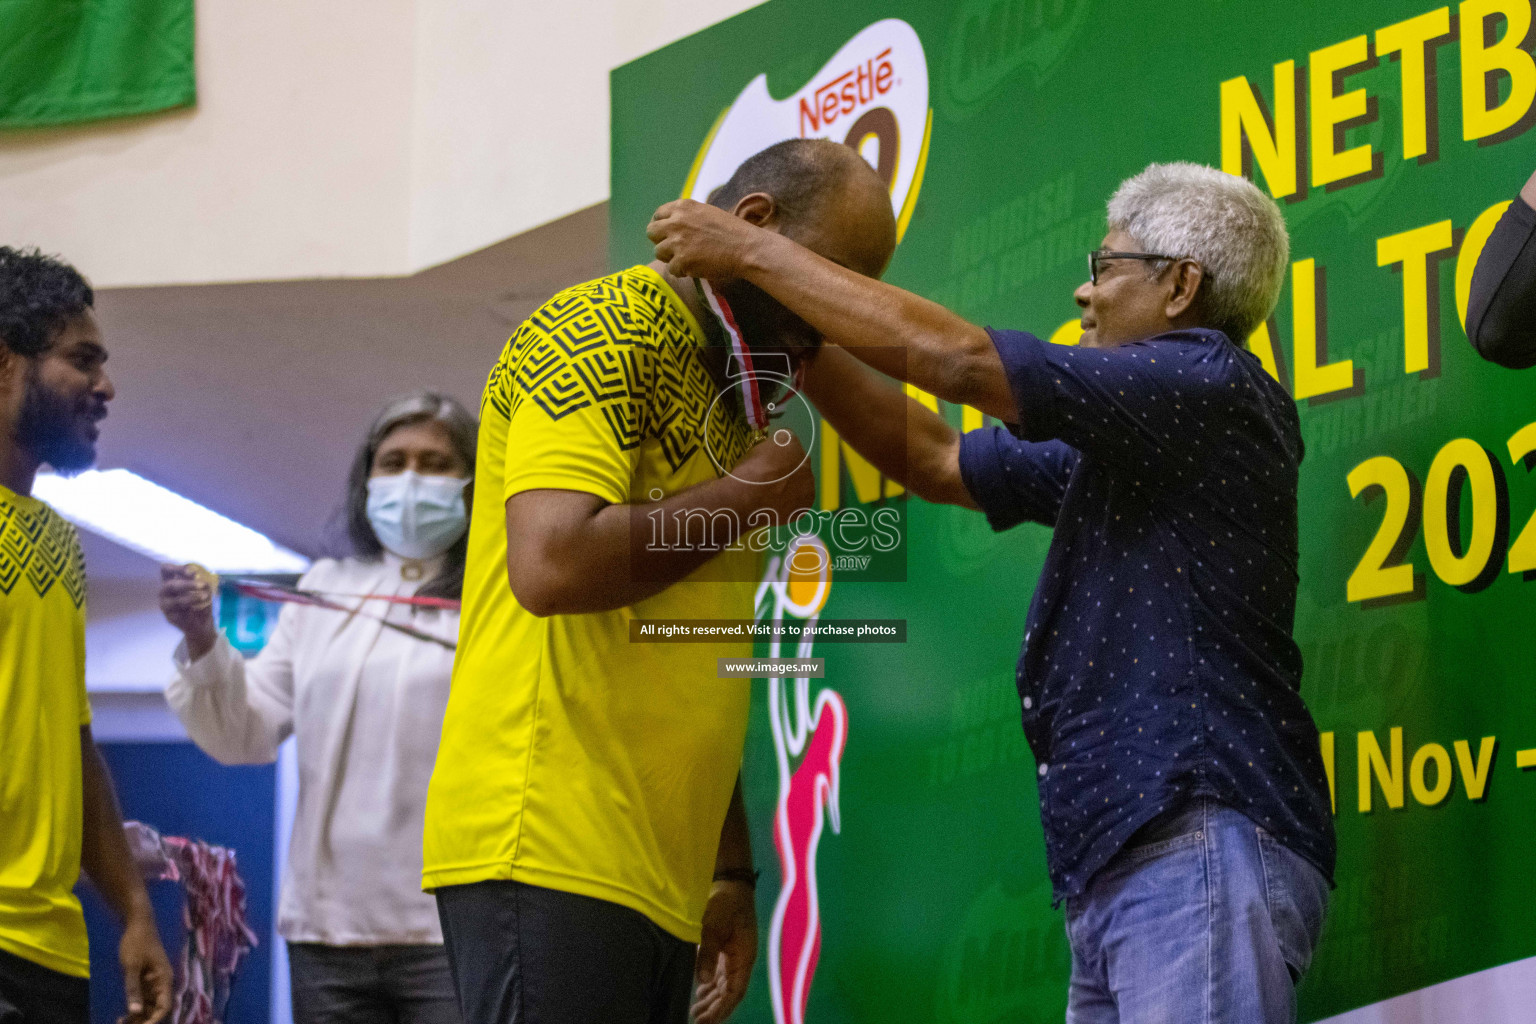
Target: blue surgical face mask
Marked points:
417	516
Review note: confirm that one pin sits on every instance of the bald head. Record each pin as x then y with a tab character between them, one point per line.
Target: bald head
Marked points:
822	194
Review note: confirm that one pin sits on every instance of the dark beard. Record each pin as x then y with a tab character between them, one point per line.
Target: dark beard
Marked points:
46	429
777	339
766	324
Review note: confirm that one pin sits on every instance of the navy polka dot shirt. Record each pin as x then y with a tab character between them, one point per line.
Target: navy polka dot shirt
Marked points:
1158	662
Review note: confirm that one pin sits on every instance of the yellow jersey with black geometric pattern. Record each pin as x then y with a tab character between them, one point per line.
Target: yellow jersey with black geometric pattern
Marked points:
42	709
570	757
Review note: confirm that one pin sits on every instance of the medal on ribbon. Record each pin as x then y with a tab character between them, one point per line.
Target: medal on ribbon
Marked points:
751	397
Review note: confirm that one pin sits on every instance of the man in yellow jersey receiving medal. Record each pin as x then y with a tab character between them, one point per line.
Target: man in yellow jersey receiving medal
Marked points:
58	812
584	827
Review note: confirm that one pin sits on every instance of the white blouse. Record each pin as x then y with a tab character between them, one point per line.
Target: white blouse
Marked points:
365	704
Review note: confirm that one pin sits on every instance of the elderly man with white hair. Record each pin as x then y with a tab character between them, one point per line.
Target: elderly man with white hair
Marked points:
1182	791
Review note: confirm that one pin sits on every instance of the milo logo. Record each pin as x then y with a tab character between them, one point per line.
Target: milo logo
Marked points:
997	968
992	39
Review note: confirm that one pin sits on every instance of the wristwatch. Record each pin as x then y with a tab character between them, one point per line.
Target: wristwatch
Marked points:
744	875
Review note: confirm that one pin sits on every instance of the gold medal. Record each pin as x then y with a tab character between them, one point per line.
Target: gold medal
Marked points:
209	580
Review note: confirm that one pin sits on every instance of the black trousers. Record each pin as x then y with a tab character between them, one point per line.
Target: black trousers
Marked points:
32	994
522	954
371	985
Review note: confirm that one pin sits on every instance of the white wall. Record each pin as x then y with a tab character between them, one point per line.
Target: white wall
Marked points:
293	164
349	138
512	109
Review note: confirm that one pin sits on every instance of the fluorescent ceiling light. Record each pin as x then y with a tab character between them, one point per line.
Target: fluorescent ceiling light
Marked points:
142	515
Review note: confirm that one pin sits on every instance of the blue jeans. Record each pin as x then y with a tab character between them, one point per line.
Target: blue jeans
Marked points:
1204	918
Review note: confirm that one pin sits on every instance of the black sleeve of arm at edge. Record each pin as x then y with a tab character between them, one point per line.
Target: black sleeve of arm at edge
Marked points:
1501	310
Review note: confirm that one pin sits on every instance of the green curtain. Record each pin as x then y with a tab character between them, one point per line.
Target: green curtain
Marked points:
65	61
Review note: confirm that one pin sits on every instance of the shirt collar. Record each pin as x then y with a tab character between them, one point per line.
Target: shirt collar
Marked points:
1207	335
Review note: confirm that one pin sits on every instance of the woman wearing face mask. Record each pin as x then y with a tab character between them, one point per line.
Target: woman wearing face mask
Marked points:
365	703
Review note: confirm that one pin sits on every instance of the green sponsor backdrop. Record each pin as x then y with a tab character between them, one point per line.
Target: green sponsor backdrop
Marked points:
934	898
63	61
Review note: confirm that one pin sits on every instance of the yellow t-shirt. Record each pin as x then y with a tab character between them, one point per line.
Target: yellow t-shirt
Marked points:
571	758
42	707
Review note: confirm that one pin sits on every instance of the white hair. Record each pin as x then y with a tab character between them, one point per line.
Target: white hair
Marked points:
1221	221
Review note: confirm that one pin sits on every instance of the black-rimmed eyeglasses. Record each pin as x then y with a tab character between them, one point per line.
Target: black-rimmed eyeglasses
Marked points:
1098	256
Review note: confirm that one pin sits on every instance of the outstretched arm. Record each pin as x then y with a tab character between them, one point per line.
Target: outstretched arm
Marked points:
900	334
905	440
236	711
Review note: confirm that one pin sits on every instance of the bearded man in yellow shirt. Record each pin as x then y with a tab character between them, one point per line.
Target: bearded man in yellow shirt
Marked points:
58	811
584	822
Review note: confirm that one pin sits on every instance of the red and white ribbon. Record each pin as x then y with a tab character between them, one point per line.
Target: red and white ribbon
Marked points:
264	590
213	914
751	397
